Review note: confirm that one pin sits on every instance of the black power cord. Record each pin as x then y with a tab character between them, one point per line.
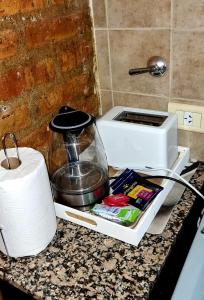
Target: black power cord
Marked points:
193	166
169	178
173	179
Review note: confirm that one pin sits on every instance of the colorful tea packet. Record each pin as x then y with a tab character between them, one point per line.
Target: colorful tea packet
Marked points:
140	190
121	177
122	215
125	181
116	200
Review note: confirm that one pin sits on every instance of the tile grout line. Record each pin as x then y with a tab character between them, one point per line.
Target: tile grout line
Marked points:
152	95
109	51
188	99
171	50
177	29
138	93
195	29
132	28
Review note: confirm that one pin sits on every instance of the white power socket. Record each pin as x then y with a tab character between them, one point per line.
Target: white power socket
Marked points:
190	117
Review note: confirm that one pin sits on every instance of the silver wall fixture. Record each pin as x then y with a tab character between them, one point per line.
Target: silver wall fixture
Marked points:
156	66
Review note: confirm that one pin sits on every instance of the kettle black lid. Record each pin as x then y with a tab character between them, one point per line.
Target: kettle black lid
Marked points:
70	119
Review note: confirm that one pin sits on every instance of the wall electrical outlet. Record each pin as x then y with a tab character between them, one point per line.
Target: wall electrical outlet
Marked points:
190	117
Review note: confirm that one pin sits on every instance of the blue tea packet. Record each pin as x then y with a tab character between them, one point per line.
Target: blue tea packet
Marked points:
123	175
125	181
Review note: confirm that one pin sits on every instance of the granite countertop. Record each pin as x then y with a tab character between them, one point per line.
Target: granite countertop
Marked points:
83	264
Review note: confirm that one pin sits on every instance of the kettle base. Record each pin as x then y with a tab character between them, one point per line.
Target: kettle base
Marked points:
82	201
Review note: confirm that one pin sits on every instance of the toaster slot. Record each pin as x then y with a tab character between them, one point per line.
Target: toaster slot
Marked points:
141	118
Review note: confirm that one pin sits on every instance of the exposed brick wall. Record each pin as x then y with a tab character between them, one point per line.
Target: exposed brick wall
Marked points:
46	60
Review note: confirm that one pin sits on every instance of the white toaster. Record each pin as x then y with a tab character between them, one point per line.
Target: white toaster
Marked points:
138	138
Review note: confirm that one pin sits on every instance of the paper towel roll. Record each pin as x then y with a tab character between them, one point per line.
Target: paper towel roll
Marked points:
27	214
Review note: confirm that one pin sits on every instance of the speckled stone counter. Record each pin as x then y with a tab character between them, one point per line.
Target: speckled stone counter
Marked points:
83	264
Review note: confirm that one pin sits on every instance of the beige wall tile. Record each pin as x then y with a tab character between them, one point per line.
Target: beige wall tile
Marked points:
103	58
140	13
133	48
140	101
188	65
106	101
99	13
193	140
188	13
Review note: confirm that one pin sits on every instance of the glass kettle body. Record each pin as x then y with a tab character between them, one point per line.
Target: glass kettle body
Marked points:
77	160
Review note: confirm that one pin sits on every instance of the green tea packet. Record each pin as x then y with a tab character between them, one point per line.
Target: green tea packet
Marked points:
123	215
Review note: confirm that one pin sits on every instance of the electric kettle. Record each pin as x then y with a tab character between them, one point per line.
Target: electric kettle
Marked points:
77	160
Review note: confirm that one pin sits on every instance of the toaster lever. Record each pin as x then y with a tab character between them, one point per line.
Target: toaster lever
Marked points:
156	66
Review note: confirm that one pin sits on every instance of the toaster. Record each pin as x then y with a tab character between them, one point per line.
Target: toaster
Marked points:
139	138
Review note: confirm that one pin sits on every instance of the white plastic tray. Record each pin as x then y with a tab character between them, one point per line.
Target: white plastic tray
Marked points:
125	234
